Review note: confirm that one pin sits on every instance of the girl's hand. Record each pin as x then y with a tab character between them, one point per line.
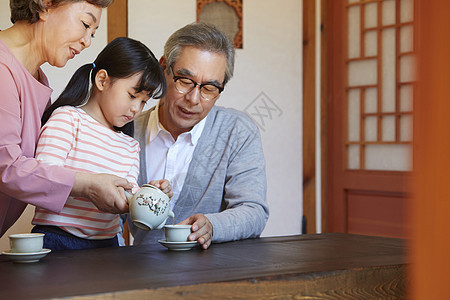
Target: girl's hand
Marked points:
163	185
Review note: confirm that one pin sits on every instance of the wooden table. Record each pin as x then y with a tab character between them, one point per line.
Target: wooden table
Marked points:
328	266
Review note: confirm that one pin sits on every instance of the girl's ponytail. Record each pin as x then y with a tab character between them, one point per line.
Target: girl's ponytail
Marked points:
76	92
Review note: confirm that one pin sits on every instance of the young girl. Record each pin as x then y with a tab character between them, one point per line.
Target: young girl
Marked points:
96	136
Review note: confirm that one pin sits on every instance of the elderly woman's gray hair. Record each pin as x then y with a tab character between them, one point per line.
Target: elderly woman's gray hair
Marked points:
202	36
28	10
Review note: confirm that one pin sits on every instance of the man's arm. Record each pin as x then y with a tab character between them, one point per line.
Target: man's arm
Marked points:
246	211
242	191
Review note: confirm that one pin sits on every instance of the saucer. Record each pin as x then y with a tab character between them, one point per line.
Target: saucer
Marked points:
30	257
178	245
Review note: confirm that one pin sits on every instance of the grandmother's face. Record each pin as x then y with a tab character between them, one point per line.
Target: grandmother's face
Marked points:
66	30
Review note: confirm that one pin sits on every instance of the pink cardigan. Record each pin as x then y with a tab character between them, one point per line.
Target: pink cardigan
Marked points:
24	180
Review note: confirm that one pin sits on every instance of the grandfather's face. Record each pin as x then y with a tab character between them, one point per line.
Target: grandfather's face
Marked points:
179	112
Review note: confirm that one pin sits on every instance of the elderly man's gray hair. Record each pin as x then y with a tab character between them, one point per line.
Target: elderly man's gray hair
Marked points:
202	36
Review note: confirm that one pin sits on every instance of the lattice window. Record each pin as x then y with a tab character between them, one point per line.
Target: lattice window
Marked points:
380	84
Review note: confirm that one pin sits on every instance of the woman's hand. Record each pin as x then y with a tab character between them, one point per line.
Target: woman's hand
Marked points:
104	190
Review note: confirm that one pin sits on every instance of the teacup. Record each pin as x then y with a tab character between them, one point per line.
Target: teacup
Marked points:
149	208
177	233
26	242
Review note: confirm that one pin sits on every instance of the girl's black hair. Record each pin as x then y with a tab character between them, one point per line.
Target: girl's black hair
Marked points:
121	58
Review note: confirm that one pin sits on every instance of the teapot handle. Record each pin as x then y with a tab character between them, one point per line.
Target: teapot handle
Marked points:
128	196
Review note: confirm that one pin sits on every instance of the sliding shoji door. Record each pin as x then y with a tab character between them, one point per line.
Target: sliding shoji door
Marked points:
371	88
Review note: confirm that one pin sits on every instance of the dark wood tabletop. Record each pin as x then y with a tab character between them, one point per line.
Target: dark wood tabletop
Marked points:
304	265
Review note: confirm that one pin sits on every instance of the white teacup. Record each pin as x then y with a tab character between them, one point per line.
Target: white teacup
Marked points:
26	242
149	208
177	233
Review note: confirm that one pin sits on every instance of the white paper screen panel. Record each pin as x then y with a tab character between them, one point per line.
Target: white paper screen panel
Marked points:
380	84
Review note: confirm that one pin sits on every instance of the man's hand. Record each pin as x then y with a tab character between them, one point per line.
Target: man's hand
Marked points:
163	185
104	190
202	229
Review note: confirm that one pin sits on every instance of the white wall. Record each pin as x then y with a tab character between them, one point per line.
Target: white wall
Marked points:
4	14
267	70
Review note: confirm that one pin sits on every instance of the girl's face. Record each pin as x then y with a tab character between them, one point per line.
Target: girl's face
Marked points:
66	30
117	101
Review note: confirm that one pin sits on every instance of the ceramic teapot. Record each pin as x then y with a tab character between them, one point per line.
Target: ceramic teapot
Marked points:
149	207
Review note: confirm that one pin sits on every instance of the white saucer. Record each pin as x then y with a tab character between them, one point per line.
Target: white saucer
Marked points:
30	257
178	245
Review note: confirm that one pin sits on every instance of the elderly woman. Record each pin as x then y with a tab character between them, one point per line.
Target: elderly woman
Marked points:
52	31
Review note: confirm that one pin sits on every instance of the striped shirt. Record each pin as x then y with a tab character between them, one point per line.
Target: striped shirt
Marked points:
73	139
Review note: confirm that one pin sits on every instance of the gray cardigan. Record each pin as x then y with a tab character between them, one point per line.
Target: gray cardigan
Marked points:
226	179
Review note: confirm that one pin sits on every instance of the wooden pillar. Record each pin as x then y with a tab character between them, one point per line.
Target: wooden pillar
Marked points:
118	26
431	204
117	19
309	106
309	118
324	110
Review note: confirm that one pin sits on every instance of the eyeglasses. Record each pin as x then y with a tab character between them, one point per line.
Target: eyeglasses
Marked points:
185	85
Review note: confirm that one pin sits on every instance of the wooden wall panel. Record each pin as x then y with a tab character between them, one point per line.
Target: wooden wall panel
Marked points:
362	207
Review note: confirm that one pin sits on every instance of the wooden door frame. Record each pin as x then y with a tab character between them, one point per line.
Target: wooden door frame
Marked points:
394	183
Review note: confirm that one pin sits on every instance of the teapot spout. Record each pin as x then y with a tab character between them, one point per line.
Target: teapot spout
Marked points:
170	214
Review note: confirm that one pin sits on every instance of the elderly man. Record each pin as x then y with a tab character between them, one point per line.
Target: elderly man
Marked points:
212	155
